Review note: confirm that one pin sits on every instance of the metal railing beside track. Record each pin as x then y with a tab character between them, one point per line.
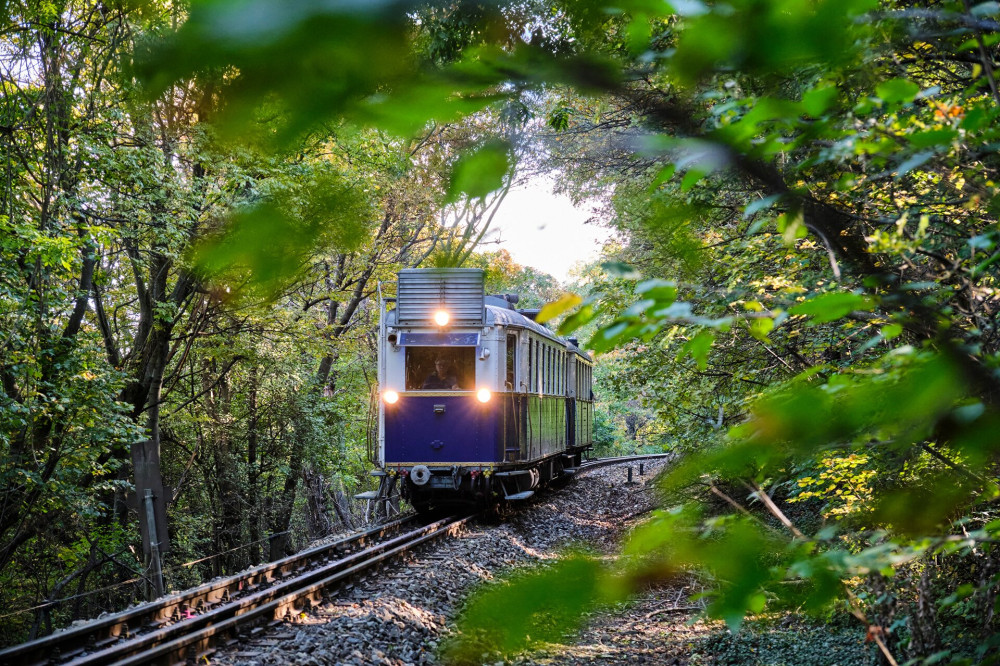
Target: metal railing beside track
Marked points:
111	638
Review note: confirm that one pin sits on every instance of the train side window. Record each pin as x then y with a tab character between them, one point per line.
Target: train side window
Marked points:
531	365
554	384
511	361
543	377
539	366
562	372
558	371
440	368
533	379
548	369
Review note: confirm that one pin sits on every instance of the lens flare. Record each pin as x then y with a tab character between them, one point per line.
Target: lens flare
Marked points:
441	318
484	395
391	397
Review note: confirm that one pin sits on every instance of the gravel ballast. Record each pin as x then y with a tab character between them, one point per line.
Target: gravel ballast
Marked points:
399	614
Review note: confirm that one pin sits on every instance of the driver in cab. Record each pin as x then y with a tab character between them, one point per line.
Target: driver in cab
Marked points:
442	379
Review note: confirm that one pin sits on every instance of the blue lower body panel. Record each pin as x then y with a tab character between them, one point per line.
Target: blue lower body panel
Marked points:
444	430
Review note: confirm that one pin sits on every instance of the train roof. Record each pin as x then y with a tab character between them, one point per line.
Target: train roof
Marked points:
500	316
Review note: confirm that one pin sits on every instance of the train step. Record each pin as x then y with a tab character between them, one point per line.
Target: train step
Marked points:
370	495
570	470
521	495
513	472
376	472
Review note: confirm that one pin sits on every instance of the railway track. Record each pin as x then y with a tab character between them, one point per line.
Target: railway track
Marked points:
604	462
185	626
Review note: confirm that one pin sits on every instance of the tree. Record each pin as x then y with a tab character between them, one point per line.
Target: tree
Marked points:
806	190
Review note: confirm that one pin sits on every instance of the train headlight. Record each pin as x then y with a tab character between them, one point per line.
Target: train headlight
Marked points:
441	317
390	397
483	395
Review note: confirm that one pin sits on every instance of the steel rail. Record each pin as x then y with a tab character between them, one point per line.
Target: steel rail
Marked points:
604	462
229	619
63	646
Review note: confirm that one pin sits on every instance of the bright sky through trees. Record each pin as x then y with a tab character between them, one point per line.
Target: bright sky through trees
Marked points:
545	230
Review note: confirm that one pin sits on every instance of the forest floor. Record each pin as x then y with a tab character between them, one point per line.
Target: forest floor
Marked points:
662	625
404	613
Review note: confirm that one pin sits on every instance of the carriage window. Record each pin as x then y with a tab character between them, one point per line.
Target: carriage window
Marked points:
532	362
535	386
555	373
552	367
440	368
511	360
562	372
548	369
559	372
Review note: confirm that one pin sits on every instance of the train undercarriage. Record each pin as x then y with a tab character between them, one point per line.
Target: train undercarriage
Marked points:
432	490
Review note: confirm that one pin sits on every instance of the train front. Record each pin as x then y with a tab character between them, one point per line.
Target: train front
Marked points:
440	425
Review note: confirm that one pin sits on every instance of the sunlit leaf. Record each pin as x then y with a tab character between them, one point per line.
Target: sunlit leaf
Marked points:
556	308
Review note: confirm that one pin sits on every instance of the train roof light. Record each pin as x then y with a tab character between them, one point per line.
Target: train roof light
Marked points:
441	317
483	395
390	397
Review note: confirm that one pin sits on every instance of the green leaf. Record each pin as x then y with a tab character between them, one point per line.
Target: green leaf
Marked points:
897	90
818	100
661	291
934	137
619	269
691	178
557	307
479	172
828	307
581	317
760	204
913	162
698	347
890	331
539	606
760	327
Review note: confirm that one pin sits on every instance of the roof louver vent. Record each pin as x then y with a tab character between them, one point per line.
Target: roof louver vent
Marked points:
424	291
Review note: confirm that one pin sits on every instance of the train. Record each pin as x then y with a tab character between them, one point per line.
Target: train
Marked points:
477	403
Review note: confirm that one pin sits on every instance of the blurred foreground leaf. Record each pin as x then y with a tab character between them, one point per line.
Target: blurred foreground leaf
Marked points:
539	606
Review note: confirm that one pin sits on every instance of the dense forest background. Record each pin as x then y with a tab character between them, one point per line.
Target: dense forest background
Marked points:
200	199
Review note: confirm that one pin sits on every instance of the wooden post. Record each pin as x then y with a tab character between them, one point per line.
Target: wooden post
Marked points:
154	563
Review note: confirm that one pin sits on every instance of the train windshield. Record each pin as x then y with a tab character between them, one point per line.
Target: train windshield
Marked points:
440	368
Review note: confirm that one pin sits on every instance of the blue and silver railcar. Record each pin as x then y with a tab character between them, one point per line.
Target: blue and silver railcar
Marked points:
478	402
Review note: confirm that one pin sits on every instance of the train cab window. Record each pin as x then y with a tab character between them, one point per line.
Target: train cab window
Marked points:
440	368
511	361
